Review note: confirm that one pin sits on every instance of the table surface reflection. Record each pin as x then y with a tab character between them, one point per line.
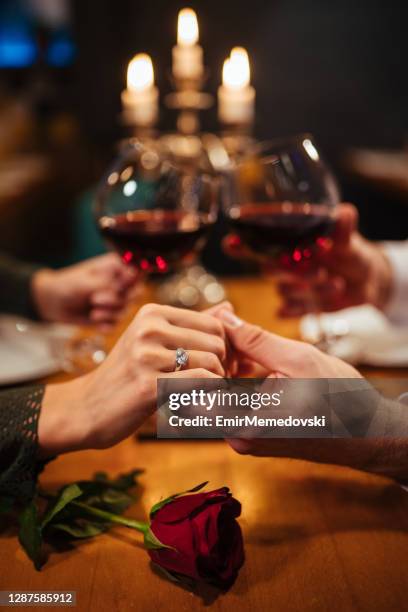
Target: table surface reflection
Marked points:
316	536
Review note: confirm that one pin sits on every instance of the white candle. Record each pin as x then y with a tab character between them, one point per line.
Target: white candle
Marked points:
140	99
187	54
236	97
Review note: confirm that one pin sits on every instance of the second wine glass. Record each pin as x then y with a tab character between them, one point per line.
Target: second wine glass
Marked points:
280	200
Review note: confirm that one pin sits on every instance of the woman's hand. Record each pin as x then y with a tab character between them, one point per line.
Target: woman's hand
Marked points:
91	292
107	405
347	270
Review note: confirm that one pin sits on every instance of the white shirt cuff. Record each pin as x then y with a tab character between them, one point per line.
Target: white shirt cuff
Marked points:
397	307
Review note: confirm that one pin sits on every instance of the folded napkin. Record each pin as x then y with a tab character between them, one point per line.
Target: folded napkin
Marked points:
361	335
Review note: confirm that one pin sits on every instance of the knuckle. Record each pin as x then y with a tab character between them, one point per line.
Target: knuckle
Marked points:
147	331
213	362
148	310
217	328
220	349
144	356
214	365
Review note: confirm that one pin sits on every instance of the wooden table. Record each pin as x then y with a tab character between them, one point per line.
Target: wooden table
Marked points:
317	537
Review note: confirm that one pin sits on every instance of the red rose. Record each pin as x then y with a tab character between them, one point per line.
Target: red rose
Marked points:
204	539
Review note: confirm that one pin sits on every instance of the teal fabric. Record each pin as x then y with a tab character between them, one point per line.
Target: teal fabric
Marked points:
87	241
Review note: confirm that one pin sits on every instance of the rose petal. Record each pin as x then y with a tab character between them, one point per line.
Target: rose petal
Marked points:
220	563
180	537
182	507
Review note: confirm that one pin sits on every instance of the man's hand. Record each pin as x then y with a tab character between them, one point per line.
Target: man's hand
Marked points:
275	355
281	357
267	354
346	270
91	292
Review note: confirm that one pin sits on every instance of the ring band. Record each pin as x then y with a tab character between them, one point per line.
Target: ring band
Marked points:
181	359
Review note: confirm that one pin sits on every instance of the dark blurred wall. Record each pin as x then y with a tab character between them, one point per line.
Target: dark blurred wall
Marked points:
336	68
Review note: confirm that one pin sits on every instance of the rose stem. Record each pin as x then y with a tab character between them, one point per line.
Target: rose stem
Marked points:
113	518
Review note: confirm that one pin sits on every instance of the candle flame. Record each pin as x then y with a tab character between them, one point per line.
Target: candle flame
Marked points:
187	27
239	54
236	72
140	74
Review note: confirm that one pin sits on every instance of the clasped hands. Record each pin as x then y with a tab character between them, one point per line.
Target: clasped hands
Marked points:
108	404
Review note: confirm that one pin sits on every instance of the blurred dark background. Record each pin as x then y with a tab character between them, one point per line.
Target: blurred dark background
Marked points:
337	69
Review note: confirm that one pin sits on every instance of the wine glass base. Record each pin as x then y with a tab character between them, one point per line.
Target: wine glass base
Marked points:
83	354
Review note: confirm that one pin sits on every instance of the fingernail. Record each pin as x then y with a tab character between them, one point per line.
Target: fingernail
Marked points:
230	319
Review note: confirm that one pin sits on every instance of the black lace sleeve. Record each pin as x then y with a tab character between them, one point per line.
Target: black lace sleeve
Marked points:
19	467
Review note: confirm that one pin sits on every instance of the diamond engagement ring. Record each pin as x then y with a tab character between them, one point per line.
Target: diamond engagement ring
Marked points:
181	359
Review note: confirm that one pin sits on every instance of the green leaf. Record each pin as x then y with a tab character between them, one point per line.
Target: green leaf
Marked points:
166	501
65	497
123	482
115	500
126	481
108	499
30	536
80	510
109	494
87	529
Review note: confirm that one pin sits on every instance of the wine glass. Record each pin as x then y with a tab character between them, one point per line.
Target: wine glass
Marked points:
280	200
156	213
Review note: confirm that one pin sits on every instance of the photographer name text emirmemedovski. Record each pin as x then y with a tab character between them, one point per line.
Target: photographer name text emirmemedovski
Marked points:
245	421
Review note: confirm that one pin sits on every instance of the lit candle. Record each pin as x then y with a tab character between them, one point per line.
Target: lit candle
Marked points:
140	99
236	97
187	54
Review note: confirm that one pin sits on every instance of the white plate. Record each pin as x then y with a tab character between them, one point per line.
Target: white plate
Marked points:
360	335
30	350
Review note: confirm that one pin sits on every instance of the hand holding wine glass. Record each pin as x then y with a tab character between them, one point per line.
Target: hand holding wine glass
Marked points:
94	291
348	271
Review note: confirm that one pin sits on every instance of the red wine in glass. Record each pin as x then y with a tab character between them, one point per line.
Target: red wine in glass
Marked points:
281	199
281	230
156	240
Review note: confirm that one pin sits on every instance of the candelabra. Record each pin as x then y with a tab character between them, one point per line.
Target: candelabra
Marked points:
187	143
236	99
